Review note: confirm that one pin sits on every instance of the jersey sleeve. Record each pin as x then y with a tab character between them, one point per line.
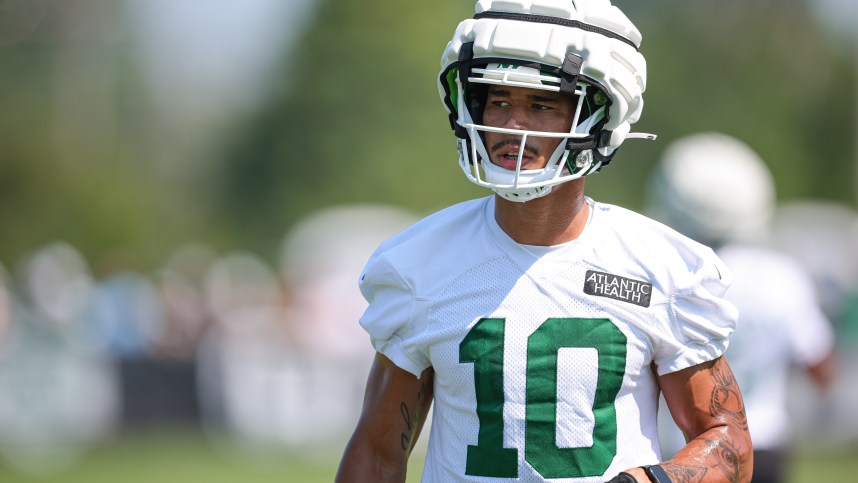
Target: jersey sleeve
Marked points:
701	319
389	317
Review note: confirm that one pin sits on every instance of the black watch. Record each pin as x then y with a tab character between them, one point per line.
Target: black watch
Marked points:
656	474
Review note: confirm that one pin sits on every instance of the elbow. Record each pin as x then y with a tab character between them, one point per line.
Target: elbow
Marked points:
737	454
729	452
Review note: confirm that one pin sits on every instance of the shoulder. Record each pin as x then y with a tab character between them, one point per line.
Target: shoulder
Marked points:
629	223
436	232
696	318
433	247
651	243
439	226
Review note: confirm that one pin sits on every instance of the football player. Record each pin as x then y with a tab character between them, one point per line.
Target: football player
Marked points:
541	323
717	190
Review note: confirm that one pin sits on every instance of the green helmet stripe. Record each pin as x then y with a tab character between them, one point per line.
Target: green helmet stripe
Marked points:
451	87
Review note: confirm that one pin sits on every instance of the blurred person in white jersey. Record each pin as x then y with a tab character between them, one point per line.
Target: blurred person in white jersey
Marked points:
717	190
331	354
59	390
541	323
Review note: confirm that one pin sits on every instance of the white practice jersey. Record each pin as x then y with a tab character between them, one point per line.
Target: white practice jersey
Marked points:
544	356
780	327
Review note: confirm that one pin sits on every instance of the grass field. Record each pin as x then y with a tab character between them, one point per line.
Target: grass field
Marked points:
190	458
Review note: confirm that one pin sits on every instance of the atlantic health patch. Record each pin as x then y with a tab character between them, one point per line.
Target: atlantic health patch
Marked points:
618	288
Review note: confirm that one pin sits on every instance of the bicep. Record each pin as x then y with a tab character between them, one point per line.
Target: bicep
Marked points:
395	403
704	396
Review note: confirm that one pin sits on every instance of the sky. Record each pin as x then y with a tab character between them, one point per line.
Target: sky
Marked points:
841	15
205	58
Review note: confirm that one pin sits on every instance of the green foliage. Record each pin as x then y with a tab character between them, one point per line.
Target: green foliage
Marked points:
355	117
763	72
67	175
360	121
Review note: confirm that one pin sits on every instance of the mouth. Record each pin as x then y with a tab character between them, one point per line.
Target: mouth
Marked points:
508	159
505	155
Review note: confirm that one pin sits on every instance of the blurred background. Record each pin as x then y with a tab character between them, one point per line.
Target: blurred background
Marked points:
189	189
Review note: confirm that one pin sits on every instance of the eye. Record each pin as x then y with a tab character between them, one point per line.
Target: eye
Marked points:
542	107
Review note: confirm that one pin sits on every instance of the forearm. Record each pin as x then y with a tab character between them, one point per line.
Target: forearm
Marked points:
366	462
720	454
711	413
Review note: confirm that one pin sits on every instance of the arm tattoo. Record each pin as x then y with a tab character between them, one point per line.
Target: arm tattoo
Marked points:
727	458
726	399
684	473
723	457
719	452
405	439
410	426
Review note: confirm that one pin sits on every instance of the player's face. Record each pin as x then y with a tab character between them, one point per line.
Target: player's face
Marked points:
525	109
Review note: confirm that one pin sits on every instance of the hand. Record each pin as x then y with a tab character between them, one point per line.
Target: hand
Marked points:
623	478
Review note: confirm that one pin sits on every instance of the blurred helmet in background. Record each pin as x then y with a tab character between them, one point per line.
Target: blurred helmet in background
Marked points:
713	188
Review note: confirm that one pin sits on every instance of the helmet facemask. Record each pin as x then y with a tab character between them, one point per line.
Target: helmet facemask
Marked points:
576	154
585	48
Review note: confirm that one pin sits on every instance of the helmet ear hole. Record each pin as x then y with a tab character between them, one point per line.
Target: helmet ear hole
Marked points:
477	94
596	100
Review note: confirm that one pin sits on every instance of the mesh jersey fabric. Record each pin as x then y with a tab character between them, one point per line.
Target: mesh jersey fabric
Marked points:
534	377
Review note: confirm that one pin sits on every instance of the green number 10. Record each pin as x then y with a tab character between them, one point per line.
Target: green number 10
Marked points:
483	346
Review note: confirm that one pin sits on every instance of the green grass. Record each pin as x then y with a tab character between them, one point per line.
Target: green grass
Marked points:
824	463
189	457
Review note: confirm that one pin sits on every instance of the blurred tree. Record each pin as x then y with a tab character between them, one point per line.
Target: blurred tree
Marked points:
359	121
763	71
75	138
355	116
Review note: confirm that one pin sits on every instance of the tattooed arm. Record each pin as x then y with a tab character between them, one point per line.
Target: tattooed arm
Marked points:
394	408
706	404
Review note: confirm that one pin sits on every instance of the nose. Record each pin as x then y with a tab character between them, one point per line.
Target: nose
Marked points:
517	118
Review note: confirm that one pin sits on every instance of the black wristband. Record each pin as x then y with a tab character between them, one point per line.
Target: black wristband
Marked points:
622	478
656	474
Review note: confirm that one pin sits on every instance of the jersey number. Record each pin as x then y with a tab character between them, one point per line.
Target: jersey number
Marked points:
483	346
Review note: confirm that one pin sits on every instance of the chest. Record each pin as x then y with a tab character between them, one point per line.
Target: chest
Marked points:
572	332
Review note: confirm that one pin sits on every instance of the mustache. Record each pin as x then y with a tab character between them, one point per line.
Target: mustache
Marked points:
514	142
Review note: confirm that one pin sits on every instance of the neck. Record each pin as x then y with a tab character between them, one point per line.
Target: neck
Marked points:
556	218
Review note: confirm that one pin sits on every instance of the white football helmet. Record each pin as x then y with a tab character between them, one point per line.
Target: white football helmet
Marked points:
713	188
584	48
